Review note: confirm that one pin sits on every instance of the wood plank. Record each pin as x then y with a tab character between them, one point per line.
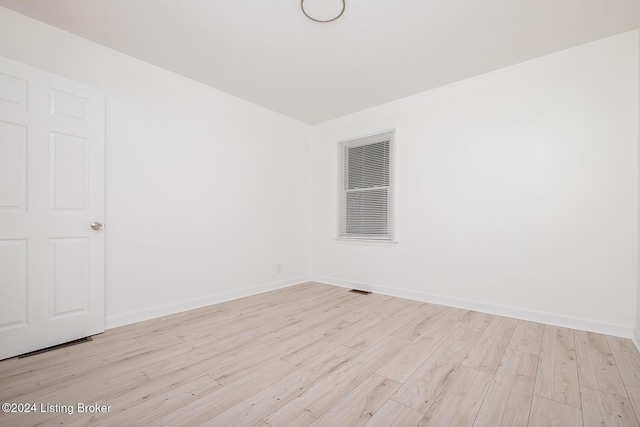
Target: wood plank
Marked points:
360	310
460	401
203	409
42	362
394	414
430	314
153	390
307	338
372	299
604	409
168	324
634	397
508	401
545	379
86	373
305	315
358	406
394	305
557	377
307	407
549	413
165	338
597	368
98	388
22	380
271	398
303	354
421	389
227	369
527	337
157	367
149	409
488	352
476	321
372	335
293	293
266	310
422	349
230	366
357	312
296	329
627	359
176	322
405	363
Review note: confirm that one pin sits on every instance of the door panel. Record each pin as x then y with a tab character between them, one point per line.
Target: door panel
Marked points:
13	91
51	190
68	169
68	276
66	104
13	166
13	276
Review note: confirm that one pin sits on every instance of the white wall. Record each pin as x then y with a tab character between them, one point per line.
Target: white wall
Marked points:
205	193
517	189
516	192
636	334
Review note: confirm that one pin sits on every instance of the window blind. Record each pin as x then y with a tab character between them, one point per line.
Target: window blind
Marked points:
366	188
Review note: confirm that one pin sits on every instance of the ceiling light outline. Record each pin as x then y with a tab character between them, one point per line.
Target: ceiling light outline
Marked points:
319	20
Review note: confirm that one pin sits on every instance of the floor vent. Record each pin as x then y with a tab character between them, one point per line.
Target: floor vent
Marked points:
55	347
361	292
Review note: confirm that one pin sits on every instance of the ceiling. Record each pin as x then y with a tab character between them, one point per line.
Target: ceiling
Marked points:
269	53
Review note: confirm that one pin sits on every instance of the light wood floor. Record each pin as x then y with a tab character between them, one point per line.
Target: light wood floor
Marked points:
318	355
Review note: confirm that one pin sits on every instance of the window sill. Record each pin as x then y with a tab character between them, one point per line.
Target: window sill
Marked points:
366	242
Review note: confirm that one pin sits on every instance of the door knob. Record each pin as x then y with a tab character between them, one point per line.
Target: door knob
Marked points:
96	226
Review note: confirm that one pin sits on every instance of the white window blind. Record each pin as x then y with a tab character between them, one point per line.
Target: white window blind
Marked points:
366	190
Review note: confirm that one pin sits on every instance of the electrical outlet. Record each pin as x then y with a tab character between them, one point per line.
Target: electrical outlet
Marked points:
278	268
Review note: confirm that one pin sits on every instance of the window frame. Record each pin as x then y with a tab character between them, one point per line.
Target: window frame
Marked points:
343	146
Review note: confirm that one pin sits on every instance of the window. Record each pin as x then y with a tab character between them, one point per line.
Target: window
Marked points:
366	188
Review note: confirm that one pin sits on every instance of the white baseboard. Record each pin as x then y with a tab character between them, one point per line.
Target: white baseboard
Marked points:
153	312
617	330
636	337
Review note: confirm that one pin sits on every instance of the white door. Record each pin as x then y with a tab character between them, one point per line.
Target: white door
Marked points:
51	191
